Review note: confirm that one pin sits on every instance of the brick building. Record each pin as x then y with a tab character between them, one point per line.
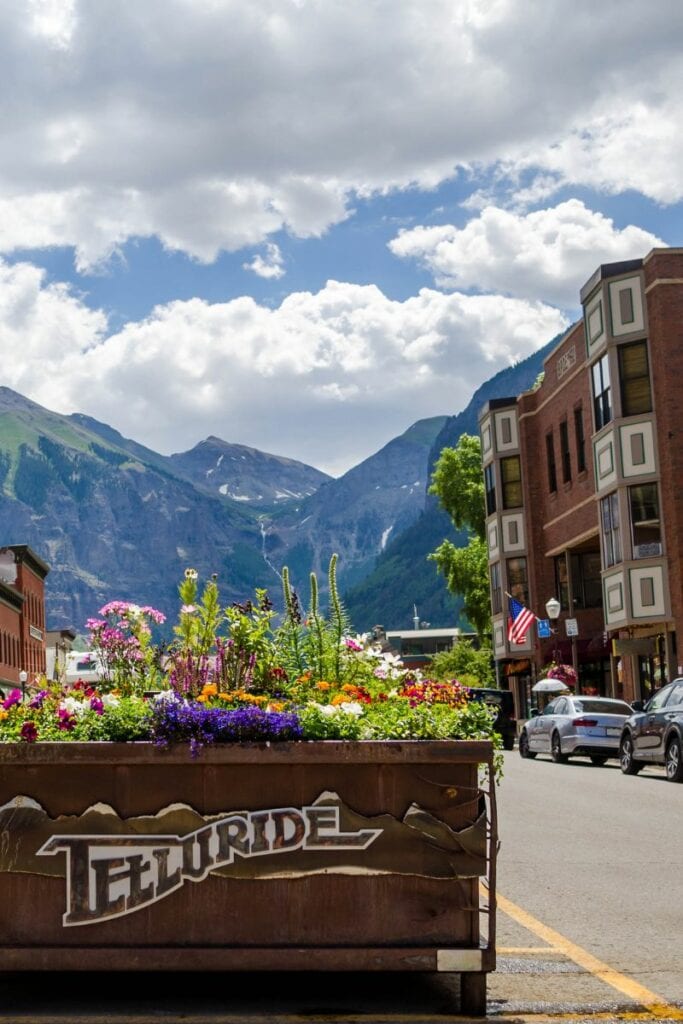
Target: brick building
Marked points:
583	477
22	614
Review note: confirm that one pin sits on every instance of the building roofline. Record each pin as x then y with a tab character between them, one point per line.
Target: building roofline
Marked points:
606	270
29	557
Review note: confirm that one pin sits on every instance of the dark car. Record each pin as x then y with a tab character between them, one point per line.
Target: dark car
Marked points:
502	702
654	734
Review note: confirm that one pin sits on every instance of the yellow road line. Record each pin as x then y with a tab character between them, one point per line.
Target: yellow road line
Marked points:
508	950
654	1004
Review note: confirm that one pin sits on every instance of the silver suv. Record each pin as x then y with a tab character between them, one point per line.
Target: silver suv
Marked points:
654	734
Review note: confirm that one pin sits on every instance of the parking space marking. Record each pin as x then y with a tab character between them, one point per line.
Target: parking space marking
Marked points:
655	1005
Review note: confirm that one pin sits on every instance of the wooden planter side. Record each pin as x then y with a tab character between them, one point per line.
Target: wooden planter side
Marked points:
350	919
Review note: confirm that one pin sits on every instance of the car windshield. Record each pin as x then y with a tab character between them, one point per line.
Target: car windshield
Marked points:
603	707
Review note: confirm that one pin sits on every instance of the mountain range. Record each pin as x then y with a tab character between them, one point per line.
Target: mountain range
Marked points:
114	519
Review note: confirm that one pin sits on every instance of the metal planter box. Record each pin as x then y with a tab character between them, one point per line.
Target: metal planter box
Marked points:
340	856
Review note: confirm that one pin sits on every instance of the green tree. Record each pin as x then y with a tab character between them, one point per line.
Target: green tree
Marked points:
458	483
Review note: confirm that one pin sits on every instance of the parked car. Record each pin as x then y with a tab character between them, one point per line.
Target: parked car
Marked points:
503	704
572	726
654	733
83	665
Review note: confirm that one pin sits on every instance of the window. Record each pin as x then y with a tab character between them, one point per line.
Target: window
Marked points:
562	582
511	474
602	393
645	526
586	583
496	591
580	440
611	534
550	459
564	452
517	580
634	377
490	486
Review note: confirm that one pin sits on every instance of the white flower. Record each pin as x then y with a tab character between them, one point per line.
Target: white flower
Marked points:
73	706
109	700
351	707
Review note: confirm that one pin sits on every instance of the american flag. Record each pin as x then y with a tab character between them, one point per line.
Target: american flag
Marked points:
519	620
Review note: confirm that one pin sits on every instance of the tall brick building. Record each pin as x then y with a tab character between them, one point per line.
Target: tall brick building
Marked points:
584	490
22	614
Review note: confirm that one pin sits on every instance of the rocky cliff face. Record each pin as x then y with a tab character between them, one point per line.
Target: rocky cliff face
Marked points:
357	514
247	475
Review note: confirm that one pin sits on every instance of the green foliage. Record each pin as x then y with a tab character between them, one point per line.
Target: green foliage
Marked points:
470	665
466	573
458	483
33	478
125	722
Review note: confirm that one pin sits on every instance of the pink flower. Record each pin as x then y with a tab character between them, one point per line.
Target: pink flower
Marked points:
14	698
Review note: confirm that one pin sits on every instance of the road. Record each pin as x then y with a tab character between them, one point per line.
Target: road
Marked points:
597	857
590	927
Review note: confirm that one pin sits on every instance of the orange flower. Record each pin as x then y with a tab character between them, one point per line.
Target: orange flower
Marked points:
275	705
210	689
202	698
349	688
322	685
3	714
341	698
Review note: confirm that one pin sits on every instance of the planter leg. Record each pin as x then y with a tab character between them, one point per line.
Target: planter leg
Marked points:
473	993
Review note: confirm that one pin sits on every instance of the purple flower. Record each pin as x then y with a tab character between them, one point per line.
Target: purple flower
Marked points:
178	721
29	733
39	699
14	698
97	705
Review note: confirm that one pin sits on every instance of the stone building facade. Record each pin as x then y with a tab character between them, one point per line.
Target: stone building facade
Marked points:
583	478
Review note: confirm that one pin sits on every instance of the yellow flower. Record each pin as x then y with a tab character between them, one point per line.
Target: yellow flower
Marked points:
322	685
348	688
225	696
3	714
275	705
210	689
202	698
341	698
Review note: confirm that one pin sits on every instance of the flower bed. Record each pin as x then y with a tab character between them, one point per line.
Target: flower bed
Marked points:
234	675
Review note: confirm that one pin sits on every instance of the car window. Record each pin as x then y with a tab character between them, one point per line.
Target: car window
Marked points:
659	699
561	707
551	708
604	707
676	696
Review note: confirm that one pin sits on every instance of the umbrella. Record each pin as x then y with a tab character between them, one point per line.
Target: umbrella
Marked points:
550	686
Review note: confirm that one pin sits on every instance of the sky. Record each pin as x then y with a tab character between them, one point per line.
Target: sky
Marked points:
302	225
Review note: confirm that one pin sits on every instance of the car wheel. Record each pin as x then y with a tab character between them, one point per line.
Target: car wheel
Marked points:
556	750
629	765
598	759
524	746
674	760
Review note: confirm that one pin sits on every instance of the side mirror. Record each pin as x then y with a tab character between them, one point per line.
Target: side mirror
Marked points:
638	705
534	713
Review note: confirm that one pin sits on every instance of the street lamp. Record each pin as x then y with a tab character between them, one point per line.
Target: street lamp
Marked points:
23	676
553	608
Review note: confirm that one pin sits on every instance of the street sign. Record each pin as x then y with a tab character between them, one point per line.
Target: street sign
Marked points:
572	627
543	628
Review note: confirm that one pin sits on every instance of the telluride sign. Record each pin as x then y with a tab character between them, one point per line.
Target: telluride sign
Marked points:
302	856
109	876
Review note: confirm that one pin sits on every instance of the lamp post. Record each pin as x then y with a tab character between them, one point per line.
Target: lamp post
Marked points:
553	608
23	676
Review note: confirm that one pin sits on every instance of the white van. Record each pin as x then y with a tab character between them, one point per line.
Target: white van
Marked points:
83	665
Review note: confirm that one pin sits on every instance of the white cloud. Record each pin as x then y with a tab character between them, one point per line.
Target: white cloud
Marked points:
268	266
545	255
213	124
333	375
